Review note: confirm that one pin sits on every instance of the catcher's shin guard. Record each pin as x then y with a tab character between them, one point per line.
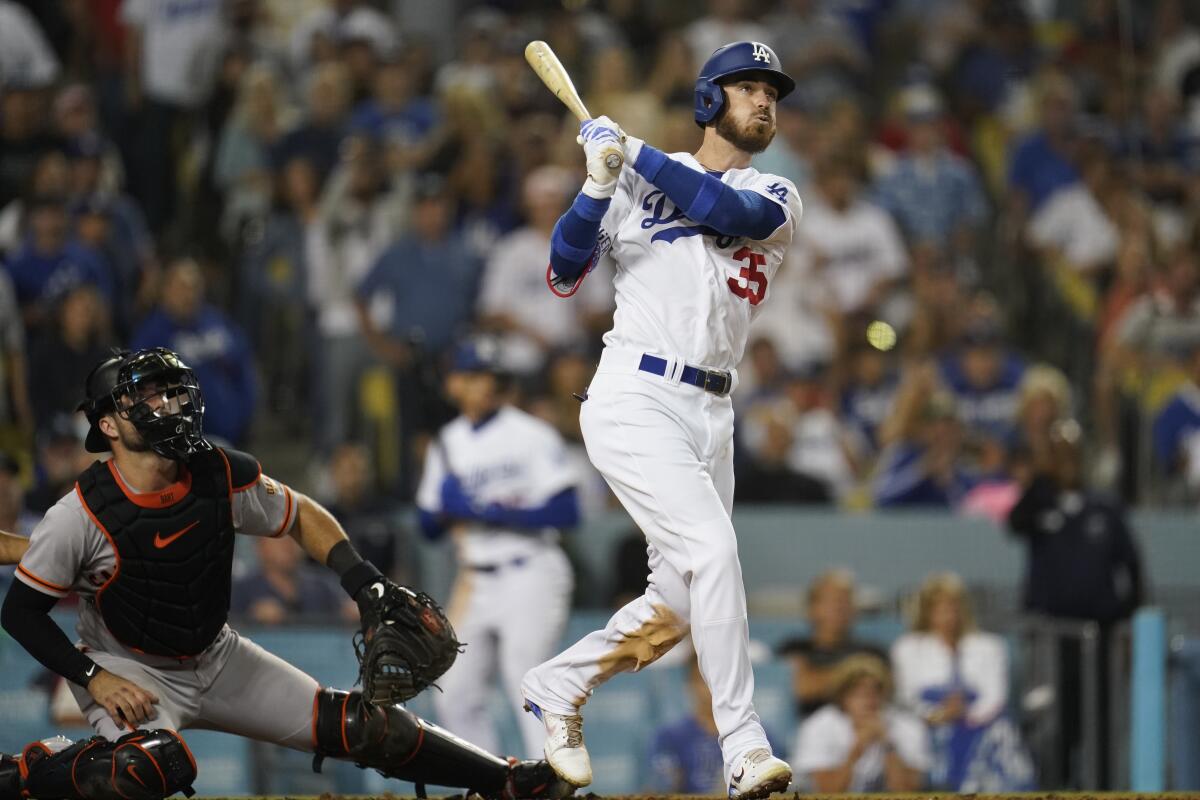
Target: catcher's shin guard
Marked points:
143	765
400	744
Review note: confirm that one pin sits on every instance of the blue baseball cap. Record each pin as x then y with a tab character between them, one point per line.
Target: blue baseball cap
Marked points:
477	355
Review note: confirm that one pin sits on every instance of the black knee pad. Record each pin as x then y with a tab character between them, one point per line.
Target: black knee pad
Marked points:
143	765
399	744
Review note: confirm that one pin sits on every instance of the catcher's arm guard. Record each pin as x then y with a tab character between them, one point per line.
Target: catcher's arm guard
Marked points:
406	642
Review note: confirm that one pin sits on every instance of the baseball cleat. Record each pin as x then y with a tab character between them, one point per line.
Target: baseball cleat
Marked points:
564	745
757	775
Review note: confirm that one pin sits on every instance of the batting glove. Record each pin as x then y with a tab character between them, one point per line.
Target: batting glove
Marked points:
600	137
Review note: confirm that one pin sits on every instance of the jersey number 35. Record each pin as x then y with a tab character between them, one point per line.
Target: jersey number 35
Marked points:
750	275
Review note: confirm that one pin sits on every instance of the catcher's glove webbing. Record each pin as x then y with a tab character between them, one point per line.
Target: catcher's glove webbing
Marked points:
406	642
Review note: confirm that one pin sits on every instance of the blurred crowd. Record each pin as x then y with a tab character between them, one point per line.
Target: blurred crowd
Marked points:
943	704
311	200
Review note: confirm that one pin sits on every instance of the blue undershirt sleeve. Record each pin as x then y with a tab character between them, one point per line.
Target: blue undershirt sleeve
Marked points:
560	511
431	525
708	201
575	236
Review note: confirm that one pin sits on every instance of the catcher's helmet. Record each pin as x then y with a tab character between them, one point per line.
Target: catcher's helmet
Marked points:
727	61
126	381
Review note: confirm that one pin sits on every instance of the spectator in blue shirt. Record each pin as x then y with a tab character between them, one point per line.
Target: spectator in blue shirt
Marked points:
1177	427
1160	151
424	283
922	463
869	392
129	243
933	193
1041	162
318	138
76	340
211	344
684	755
396	116
412	306
51	262
984	376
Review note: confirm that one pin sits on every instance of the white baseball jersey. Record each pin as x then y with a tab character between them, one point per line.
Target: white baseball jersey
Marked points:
513	590
683	292
512	458
682	289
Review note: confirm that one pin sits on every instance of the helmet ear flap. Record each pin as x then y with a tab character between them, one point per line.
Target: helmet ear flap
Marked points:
709	100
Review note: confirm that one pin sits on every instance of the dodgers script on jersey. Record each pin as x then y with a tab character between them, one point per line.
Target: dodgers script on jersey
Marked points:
683	289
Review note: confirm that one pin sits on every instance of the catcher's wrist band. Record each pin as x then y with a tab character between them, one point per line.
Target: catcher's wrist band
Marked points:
352	570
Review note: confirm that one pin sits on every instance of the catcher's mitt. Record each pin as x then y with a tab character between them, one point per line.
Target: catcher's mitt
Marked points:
406	643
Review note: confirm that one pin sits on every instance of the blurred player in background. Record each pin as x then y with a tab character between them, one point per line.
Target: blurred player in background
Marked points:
500	480
696	240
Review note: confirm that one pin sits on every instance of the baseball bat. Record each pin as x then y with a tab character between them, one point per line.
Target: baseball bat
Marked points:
547	66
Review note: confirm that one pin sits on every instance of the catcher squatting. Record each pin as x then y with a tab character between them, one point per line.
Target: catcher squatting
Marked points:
147	540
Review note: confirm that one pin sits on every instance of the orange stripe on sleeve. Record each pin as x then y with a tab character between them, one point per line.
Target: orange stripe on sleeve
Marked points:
287	514
54	587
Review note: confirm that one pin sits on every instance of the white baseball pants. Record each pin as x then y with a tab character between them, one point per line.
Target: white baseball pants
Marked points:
511	619
667	452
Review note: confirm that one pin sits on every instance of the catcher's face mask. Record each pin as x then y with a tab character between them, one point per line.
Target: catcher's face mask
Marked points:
159	395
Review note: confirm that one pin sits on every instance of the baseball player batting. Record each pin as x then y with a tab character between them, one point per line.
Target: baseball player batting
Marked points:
146	539
500	478
695	241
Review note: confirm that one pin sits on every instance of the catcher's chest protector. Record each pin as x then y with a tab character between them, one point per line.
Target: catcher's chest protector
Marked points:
169	595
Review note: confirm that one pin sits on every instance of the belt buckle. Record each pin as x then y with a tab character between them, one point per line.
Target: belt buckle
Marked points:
716	382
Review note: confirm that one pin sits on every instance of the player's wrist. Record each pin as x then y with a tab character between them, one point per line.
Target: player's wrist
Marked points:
84	672
646	159
599	191
354	572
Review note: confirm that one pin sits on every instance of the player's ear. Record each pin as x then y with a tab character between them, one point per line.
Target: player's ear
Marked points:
108	426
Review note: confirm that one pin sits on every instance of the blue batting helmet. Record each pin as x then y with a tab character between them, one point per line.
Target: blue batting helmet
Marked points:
728	61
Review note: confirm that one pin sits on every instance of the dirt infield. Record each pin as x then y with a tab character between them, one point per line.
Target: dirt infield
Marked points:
793	796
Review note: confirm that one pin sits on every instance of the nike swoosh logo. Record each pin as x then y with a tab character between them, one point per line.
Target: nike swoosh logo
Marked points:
131	771
90	670
160	542
741	774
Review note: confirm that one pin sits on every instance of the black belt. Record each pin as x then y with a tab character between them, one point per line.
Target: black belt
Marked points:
489	568
710	380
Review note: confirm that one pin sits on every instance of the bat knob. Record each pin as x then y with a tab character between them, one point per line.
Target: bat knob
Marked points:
613	160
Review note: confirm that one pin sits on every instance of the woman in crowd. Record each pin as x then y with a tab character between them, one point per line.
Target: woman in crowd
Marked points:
815	658
956	678
859	742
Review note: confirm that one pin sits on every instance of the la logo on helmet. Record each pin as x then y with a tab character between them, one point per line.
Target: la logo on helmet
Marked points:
761	53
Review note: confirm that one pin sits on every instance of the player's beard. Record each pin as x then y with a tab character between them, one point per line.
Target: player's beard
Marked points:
750	136
131	438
